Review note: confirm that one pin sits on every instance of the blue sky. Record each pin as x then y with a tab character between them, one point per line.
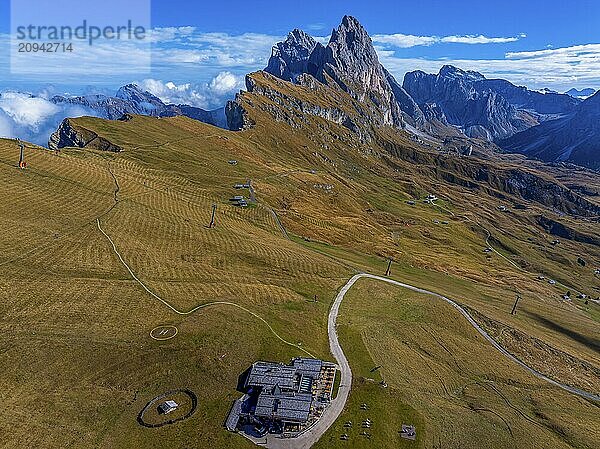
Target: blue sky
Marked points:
203	49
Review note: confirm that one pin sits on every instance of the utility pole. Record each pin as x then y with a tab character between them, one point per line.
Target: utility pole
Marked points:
514	309
389	268
212	218
22	163
251	191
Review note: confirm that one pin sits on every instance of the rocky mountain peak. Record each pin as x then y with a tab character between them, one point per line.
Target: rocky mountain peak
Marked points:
300	38
350	22
133	92
452	72
349	62
350	46
461	99
290	57
71	135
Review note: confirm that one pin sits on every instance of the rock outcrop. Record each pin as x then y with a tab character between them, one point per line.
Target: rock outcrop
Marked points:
290	57
547	103
69	134
349	62
452	97
237	118
295	110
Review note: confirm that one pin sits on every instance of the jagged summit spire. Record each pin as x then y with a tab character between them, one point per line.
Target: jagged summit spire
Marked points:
290	57
298	36
350	62
133	92
351	22
351	42
348	23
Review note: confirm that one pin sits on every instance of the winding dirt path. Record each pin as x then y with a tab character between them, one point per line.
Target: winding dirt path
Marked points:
336	407
312	435
201	306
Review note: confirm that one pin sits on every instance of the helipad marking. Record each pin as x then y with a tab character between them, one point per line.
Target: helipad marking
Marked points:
164	331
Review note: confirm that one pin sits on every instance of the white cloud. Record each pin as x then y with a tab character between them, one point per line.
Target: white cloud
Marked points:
33	118
408	40
169	34
322	39
6	125
226	50
207	96
481	39
404	40
577	51
25	109
558	68
315	26
224	83
100	60
172	93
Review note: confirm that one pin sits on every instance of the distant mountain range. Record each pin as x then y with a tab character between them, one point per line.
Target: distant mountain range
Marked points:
543	124
484	108
583	93
449	102
131	99
574	138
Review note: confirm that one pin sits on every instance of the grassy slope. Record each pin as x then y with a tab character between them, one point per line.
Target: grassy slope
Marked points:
77	359
443	378
78	363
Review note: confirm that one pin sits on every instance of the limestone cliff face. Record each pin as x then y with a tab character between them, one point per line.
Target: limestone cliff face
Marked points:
491	109
574	138
348	62
237	118
70	135
290	57
457	97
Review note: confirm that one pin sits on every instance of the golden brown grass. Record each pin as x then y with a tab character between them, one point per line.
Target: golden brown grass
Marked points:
78	362
446	379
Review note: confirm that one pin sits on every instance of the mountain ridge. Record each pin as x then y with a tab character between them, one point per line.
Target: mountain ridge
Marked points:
431	107
131	99
449	103
575	138
349	62
485	108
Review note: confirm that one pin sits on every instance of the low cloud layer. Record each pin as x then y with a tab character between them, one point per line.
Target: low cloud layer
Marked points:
33	118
